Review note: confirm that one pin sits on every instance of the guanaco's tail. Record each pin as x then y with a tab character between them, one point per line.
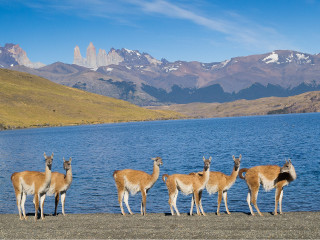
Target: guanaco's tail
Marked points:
115	173
164	176
241	172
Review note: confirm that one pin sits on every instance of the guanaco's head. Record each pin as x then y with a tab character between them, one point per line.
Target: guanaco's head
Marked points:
67	164
157	160
287	167
206	163
237	162
49	160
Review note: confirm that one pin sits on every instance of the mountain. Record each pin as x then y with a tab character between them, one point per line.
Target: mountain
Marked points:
285	68
12	55
30	101
303	103
143	80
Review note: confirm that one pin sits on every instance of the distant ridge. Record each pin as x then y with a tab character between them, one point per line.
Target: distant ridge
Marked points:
31	101
139	78
303	103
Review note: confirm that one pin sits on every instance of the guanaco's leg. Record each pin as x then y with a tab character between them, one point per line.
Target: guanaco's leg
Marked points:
120	197
280	201
175	202
63	201
23	200
144	201
36	206
225	199
219	202
56	203
200	203
249	202
42	198
126	201
254	196
196	199
192	204
18	198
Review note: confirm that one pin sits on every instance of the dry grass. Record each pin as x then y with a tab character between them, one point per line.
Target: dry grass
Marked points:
31	101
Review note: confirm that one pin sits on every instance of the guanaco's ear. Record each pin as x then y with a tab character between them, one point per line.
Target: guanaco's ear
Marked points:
52	155
210	158
240	157
44	154
233	158
64	160
286	161
70	159
290	161
203	158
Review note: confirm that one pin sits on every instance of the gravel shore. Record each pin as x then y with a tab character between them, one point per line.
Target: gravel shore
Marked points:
292	225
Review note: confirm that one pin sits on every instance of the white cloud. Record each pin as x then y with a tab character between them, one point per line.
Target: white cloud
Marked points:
234	27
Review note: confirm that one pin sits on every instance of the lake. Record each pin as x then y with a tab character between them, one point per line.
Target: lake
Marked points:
98	150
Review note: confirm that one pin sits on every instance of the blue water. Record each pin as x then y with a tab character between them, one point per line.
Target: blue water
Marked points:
98	150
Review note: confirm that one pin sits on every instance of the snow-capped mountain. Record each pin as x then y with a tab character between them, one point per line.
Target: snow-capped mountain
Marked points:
141	79
285	68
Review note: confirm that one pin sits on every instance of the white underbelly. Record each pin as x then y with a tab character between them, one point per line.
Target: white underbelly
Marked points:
186	189
27	189
211	189
131	187
266	183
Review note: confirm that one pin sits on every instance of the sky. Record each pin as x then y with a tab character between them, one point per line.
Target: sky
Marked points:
187	30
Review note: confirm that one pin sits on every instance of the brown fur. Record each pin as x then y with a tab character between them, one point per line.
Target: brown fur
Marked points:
134	181
188	184
221	183
60	183
32	182
270	176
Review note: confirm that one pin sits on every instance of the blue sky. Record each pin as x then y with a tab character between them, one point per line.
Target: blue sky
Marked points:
200	30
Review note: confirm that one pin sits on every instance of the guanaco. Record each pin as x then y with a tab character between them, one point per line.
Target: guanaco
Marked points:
60	183
134	181
270	176
187	184
221	183
32	183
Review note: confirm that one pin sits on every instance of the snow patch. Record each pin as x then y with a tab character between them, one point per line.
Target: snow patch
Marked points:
171	68
272	58
303	57
132	52
109	69
152	60
224	63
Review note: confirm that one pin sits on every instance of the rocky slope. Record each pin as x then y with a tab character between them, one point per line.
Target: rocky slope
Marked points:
12	55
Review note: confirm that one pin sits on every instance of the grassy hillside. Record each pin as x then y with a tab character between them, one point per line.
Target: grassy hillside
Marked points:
30	101
303	103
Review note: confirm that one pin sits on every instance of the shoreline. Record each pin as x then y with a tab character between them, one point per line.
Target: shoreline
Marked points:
291	225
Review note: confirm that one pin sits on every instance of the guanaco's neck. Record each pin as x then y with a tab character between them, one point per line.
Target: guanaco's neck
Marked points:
48	174
234	173
293	173
156	172
206	175
68	176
